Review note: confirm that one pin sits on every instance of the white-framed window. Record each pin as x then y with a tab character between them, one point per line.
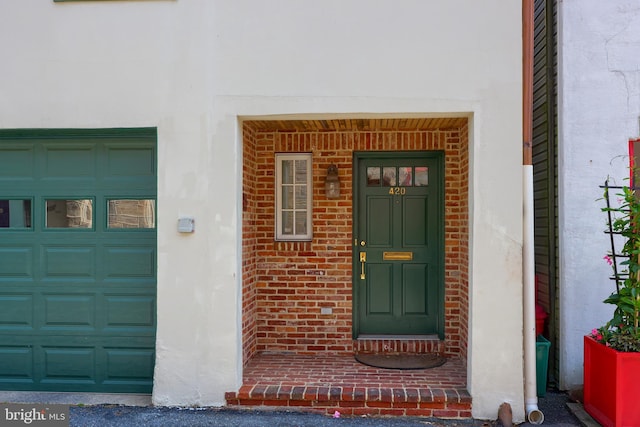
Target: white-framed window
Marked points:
293	196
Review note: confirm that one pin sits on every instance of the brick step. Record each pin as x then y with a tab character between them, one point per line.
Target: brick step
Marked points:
357	401
398	344
328	383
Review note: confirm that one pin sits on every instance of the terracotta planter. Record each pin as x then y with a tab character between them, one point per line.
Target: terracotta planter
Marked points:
611	385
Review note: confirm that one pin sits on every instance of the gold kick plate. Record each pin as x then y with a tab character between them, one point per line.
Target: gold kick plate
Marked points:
397	256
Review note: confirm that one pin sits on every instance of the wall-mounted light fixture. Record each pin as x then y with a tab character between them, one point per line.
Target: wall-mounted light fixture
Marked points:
332	183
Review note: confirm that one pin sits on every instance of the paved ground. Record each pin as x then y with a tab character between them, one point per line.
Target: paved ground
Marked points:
162	417
553	405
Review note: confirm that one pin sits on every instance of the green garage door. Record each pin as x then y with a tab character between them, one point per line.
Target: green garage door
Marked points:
78	260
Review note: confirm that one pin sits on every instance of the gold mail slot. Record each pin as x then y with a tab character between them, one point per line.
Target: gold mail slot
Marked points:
397	256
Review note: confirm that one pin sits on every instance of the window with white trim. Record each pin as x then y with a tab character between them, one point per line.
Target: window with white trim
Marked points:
293	196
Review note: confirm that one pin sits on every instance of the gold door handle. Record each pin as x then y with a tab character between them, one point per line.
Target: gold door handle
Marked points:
363	259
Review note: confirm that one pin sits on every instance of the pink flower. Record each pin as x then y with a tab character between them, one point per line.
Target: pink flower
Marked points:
608	259
599	337
594	331
336	414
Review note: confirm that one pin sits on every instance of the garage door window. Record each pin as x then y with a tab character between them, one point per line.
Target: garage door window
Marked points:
131	213
69	213
15	213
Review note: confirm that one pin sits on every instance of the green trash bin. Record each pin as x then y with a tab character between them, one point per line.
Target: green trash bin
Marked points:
542	363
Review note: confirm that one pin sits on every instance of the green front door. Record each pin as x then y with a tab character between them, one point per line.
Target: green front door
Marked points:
398	243
77	260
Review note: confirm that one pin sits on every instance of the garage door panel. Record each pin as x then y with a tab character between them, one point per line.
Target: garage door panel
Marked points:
129	262
63	363
16	312
107	311
125	160
69	312
70	161
16	364
130	312
125	365
69	365
16	262
69	262
17	162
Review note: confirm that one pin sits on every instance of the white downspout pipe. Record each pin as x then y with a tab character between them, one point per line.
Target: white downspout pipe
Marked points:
534	415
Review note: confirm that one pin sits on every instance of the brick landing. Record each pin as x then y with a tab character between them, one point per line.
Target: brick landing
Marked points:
339	383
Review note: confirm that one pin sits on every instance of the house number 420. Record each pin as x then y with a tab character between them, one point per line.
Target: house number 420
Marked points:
397	191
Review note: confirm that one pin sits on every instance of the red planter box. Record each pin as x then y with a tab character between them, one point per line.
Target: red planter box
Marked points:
611	385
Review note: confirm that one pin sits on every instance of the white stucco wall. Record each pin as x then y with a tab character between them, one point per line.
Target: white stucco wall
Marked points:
192	68
599	107
133	64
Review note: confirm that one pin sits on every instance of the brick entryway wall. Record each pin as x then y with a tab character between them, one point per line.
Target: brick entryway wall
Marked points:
285	284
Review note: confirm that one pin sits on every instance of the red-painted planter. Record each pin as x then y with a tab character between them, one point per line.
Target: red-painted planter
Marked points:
611	385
